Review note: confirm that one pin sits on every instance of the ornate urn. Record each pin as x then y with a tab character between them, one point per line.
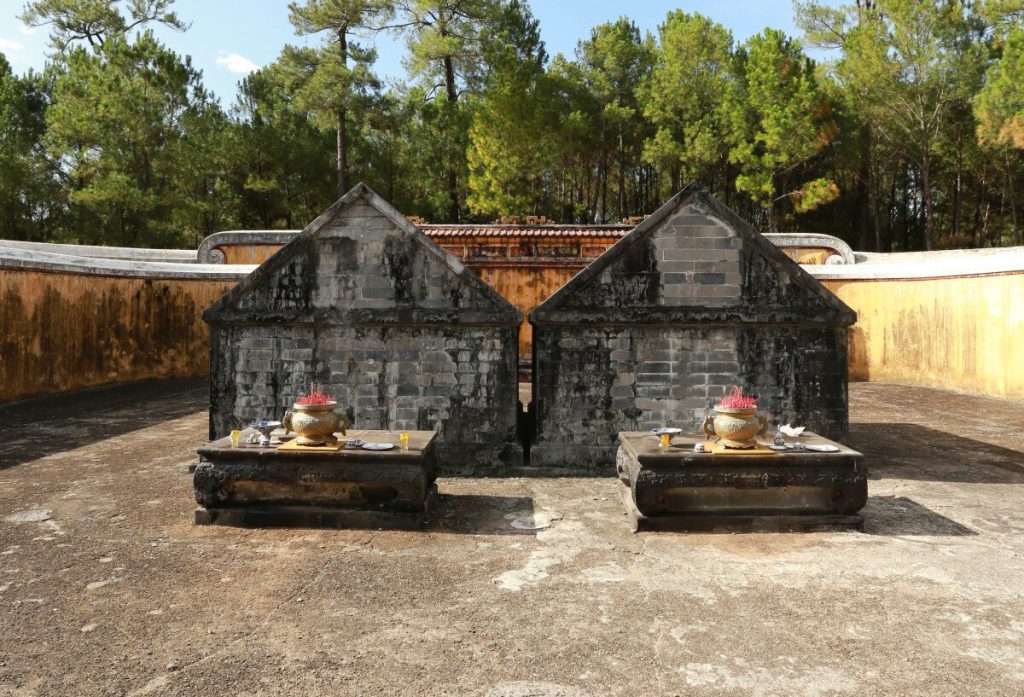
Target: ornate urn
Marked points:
313	419
736	422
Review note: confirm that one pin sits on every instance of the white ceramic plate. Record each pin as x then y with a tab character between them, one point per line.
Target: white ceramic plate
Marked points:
823	448
779	447
378	446
666	430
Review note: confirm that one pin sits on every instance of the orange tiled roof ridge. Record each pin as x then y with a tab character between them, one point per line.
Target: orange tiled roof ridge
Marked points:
511	230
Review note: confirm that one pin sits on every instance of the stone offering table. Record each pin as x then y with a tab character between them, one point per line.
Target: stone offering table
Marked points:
347	488
680	489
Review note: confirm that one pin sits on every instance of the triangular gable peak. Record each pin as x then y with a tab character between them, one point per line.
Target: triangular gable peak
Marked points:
362	262
693	261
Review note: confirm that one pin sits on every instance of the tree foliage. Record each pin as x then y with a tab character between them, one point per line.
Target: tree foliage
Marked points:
910	135
135	132
510	146
93	21
683	98
779	120
29	193
999	105
322	79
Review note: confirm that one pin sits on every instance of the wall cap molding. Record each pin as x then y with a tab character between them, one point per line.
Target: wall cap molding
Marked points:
176	256
924	265
15	259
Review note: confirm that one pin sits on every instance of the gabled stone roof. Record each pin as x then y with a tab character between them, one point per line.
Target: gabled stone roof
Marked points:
694	261
362	262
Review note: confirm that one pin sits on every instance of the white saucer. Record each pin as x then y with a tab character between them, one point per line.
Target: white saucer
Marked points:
823	448
378	446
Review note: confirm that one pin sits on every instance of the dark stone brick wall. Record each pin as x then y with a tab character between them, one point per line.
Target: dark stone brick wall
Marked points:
654	332
397	329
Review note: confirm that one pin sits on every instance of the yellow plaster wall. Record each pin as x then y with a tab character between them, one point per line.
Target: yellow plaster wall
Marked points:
248	253
808	255
65	331
964	333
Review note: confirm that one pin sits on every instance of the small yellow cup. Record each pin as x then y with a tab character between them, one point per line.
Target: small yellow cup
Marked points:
403	439
664	438
235	436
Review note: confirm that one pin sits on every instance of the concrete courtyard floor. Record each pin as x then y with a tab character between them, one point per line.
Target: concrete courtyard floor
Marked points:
107	588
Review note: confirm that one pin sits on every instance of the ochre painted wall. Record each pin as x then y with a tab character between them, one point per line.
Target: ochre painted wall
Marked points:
65	331
248	253
808	255
962	332
526	288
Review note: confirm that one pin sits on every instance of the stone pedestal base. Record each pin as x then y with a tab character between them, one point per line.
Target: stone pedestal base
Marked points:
316	516
266	487
767	491
733	522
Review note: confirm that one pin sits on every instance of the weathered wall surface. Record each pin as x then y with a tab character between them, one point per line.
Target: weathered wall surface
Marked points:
461	383
655	331
526	288
525	264
964	333
401	332
64	328
593	382
954	324
249	254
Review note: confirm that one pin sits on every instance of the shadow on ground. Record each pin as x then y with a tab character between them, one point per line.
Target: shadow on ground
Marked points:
36	428
911	451
899	516
474	514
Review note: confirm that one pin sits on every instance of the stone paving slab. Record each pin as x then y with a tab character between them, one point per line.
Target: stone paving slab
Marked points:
515	586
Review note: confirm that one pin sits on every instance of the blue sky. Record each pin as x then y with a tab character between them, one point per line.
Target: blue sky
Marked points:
230	37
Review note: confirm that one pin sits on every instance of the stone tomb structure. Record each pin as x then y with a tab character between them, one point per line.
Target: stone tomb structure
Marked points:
757	489
345	488
657	329
403	334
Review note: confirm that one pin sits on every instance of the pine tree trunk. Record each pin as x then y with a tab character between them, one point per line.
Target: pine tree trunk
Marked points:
342	153
862	196
342	119
622	177
604	187
926	197
1013	204
957	188
453	173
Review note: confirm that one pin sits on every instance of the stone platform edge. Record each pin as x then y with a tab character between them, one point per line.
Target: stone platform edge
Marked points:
268	516
731	523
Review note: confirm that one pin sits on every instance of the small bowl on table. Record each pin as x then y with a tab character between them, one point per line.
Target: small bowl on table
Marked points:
669	431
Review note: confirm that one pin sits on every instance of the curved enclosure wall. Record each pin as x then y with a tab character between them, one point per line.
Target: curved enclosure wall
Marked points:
69	324
68	321
944	319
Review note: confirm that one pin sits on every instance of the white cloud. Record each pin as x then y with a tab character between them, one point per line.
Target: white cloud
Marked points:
6	45
234	63
27	30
